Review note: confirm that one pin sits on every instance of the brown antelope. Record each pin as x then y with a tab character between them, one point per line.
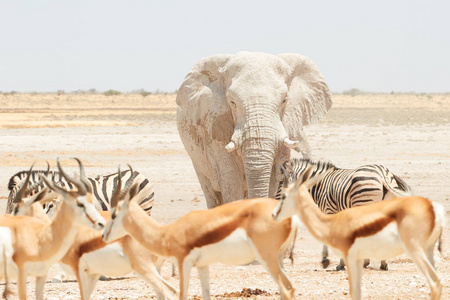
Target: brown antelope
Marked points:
89	256
409	224
235	233
35	245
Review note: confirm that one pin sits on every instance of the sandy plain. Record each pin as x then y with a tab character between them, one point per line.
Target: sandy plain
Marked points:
408	133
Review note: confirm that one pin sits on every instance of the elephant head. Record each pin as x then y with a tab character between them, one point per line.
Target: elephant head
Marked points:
254	106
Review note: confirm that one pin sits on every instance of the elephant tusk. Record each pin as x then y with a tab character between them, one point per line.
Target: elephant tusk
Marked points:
290	144
231	146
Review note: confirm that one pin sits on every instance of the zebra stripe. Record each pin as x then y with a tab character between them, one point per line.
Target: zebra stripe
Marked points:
102	187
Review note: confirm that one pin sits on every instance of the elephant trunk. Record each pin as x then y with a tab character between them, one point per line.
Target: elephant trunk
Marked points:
259	137
258	153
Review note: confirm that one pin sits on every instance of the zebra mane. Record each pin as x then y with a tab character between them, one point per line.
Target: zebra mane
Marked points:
323	165
16	178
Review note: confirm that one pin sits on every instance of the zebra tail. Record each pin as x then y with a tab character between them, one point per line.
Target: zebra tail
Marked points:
403	190
403	186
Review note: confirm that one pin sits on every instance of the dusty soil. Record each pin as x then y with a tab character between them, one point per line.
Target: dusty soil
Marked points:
410	134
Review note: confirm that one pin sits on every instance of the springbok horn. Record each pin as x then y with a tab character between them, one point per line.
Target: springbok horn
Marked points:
80	185
290	144
128	184
230	147
38	182
83	176
120	193
286	176
116	195
22	191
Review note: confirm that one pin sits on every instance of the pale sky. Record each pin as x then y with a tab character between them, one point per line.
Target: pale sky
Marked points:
376	46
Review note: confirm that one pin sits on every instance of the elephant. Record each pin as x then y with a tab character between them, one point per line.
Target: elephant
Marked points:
239	116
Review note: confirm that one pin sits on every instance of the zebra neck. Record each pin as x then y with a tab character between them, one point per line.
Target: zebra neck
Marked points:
318	223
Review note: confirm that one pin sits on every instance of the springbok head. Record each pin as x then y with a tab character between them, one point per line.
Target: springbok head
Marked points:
292	193
78	203
120	202
23	204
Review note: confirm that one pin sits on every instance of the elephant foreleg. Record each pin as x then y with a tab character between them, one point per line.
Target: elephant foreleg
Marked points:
213	197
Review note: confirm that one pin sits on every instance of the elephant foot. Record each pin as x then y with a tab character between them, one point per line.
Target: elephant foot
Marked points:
366	263
340	268
325	263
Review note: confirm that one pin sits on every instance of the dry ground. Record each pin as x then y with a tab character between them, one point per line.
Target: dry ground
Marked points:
410	134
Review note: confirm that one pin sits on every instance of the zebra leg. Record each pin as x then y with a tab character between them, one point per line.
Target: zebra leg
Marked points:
325	260
341	266
366	262
383	265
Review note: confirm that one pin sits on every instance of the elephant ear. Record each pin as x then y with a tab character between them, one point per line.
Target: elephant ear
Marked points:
309	97
202	103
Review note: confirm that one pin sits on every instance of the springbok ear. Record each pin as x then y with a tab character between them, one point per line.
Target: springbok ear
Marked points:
203	92
285	175
144	193
134	189
43	197
308	98
54	187
313	181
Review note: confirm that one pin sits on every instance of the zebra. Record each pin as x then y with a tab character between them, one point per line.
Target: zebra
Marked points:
102	187
344	188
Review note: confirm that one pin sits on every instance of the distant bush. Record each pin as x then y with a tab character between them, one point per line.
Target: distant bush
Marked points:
9	93
60	92
353	92
112	93
85	92
145	93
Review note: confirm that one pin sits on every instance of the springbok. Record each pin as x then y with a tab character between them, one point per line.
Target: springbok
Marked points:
35	244
235	233
89	256
344	188
380	230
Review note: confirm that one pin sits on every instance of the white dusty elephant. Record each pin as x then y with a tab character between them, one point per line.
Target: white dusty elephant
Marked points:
239	115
